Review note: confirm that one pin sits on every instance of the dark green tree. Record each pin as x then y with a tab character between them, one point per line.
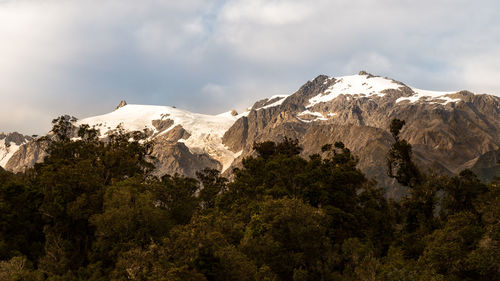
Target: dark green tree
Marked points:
20	222
399	159
212	185
178	195
461	192
132	216
289	237
72	180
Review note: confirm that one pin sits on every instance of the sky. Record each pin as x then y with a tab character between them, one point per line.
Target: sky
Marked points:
81	57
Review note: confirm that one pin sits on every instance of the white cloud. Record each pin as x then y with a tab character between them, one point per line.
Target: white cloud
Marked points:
266	12
481	72
215	91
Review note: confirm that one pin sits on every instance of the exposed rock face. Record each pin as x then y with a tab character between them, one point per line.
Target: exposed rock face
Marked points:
449	131
26	156
15	138
9	144
161	125
172	156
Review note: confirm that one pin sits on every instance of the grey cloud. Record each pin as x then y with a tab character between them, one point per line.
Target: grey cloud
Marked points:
82	57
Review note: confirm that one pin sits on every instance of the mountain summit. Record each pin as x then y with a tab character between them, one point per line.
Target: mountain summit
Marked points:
121	104
450	130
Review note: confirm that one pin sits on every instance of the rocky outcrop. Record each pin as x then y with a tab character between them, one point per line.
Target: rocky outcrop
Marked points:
121	104
172	156
175	158
161	125
14	138
9	144
26	156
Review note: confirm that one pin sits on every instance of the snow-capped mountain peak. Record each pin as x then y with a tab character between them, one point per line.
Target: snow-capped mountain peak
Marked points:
361	84
367	85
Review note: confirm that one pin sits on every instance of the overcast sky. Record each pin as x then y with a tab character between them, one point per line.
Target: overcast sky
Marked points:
82	57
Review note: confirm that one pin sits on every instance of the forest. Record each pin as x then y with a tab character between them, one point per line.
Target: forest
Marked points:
93	210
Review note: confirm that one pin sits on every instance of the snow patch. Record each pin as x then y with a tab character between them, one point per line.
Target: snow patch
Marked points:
352	85
319	116
313	113
281	99
429	96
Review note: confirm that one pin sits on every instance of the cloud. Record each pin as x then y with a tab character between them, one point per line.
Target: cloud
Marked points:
84	56
481	72
266	13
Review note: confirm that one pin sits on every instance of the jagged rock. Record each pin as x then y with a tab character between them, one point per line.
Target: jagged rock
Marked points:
26	156
177	133
369	75
17	138
162	125
9	144
175	157
121	104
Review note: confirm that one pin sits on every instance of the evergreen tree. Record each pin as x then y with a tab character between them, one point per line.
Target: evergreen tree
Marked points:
212	185
461	192
20	222
399	162
72	181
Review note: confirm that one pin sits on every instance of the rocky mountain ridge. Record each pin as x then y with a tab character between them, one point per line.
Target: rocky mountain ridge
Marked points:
449	131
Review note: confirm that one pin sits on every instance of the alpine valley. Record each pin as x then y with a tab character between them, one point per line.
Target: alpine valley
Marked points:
449	131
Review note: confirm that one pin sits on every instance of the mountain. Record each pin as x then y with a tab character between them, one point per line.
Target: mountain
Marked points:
185	142
449	131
